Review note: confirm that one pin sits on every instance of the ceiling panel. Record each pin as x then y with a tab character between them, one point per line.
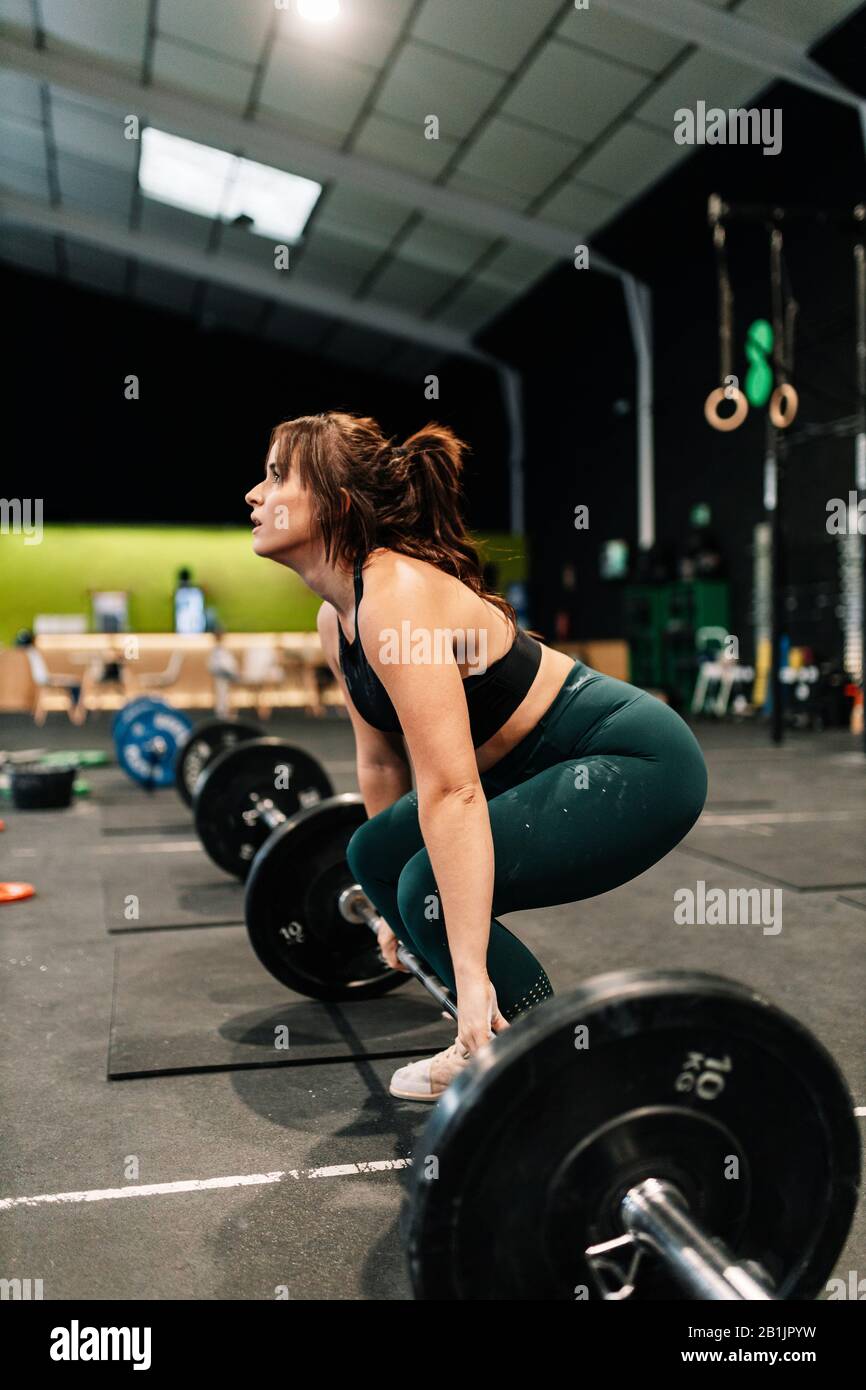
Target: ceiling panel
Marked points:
519	158
474	307
633	44
220	81
348	211
317	90
114	29
702	77
579	208
317	267
242	244
516	268
341	250
19	96
29	179
329	138
574	95
23	142
422	82
488	192
19	13
91	133
634	157
402	146
235	31
185	227
94	187
495	33
443	246
405	285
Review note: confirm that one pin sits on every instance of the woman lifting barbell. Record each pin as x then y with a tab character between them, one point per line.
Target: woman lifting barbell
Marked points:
538	781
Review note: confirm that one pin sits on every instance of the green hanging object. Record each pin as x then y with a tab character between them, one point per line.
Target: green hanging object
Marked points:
759	377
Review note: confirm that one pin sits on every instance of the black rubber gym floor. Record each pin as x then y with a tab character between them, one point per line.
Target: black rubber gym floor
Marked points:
156	1142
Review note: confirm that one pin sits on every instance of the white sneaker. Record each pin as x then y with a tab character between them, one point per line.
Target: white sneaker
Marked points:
427	1079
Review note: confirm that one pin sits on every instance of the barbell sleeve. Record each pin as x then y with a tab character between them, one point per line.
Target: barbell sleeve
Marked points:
654	1212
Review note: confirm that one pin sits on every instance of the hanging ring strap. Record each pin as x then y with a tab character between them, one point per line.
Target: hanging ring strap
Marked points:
729	390
784	400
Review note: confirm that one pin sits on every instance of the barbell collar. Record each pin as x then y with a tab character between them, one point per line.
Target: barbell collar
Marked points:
655	1212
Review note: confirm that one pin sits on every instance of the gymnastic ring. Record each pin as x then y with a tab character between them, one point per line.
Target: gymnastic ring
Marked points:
714	400
784	395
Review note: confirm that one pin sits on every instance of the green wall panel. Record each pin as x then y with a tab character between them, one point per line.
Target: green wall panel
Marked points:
249	594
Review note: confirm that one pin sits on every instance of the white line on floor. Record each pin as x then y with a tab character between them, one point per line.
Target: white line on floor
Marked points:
860	1109
777	817
152	847
168	1189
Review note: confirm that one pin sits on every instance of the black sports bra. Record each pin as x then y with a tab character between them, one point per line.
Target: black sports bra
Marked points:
492	697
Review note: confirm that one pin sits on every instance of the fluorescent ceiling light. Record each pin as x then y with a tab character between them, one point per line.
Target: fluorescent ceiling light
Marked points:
213	183
318	10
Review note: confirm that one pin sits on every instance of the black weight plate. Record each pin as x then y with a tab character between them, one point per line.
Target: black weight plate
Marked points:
41	788
536	1142
292	913
255	768
204	744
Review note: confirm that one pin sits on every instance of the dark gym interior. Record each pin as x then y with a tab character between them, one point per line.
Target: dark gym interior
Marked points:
562	280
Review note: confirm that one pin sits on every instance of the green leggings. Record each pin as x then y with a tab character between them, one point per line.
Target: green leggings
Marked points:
603	787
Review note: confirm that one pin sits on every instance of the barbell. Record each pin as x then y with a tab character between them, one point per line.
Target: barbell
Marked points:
653	1135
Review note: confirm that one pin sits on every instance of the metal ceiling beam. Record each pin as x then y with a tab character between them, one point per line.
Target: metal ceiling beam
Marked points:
233	273
262	140
735	38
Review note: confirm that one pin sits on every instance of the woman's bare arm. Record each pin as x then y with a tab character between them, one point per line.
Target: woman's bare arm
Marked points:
452	808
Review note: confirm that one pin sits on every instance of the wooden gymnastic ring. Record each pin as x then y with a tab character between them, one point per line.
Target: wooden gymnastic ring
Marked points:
714	400
784	395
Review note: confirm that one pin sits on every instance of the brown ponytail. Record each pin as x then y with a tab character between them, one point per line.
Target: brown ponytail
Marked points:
406	497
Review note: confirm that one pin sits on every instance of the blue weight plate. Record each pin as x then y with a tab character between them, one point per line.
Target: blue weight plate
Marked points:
125	716
148	743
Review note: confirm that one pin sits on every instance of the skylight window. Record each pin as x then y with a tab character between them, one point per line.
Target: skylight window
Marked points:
213	183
